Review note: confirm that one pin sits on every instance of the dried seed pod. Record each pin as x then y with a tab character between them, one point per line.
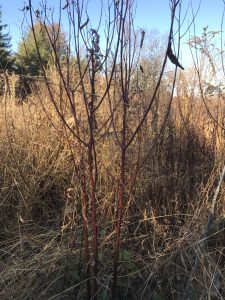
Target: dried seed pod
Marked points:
142	38
173	58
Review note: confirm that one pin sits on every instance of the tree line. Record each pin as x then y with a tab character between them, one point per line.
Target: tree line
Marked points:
27	60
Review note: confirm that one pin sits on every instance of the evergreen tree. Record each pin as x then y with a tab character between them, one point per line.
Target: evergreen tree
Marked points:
28	59
5	46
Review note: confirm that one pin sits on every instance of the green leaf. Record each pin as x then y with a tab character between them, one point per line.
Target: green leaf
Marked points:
74	275
193	294
131	266
125	255
157	296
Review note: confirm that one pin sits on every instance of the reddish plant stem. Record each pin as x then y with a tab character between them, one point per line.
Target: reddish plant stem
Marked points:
119	222
94	220
93	177
121	196
85	232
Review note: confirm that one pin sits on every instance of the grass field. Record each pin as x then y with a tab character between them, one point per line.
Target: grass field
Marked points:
172	170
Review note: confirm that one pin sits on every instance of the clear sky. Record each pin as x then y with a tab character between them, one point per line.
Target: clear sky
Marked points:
150	14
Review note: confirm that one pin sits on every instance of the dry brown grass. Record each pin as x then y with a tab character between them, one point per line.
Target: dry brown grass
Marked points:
40	206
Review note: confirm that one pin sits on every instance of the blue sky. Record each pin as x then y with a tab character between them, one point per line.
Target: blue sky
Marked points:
150	14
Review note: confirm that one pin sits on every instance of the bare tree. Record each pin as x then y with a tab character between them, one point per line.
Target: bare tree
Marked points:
100	102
